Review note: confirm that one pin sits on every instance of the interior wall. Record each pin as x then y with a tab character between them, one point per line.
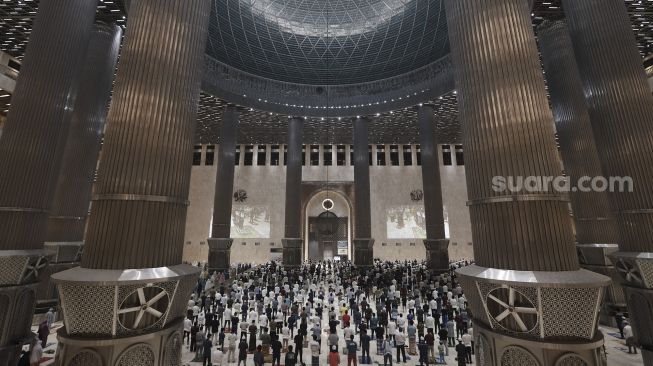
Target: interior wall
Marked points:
265	186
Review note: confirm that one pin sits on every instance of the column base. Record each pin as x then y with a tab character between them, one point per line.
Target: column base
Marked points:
219	254
437	255
364	252
494	349
16	311
108	304
292	252
538	317
636	273
162	347
20	273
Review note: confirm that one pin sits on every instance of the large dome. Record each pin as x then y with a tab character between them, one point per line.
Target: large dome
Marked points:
326	42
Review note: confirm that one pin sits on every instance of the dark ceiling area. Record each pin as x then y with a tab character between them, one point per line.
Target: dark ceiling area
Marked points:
325	42
320	42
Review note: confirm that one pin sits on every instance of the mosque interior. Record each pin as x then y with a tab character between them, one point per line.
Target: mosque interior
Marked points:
356	154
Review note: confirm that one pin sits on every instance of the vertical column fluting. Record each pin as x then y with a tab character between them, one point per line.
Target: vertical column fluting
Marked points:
596	230
30	156
220	241
292	243
523	241
72	195
437	245
363	242
73	190
507	132
131	273
144	175
38	120
620	106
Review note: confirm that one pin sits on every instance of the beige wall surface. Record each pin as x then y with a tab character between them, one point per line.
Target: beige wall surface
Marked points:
265	186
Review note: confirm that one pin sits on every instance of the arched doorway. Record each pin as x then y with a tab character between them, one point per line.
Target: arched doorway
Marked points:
328	227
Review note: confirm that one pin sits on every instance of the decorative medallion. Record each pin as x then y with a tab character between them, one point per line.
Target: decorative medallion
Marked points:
240	195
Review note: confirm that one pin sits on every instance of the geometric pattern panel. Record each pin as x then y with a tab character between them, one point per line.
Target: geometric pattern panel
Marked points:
571	359
172	352
180	300
86	358
138	354
11	269
569	312
646	269
88	309
517	356
484	351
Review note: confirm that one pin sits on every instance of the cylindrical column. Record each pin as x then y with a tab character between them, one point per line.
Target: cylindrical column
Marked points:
363	242
523	241
437	245
621	110
30	156
220	241
72	195
292	243
131	263
596	230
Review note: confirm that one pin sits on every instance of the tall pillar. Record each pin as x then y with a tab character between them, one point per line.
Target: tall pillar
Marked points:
30	156
530	302
125	304
293	242
620	106
72	195
363	242
596	230
437	245
220	241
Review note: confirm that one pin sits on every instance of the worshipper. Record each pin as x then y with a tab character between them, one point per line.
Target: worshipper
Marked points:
291	357
200	337
451	332
216	357
400	344
276	351
221	337
423	352
36	354
412	337
206	352
259	359
193	337
365	346
467	341
43	333
333	339
231	347
630	339
352	348
299	346
461	352
50	317
388	347
285	336
242	351
441	352
314	346
188	324
334	356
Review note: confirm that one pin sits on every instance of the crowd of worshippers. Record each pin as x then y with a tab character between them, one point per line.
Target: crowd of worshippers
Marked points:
269	312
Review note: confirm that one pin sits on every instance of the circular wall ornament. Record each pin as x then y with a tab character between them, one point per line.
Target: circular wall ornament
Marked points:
328	204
